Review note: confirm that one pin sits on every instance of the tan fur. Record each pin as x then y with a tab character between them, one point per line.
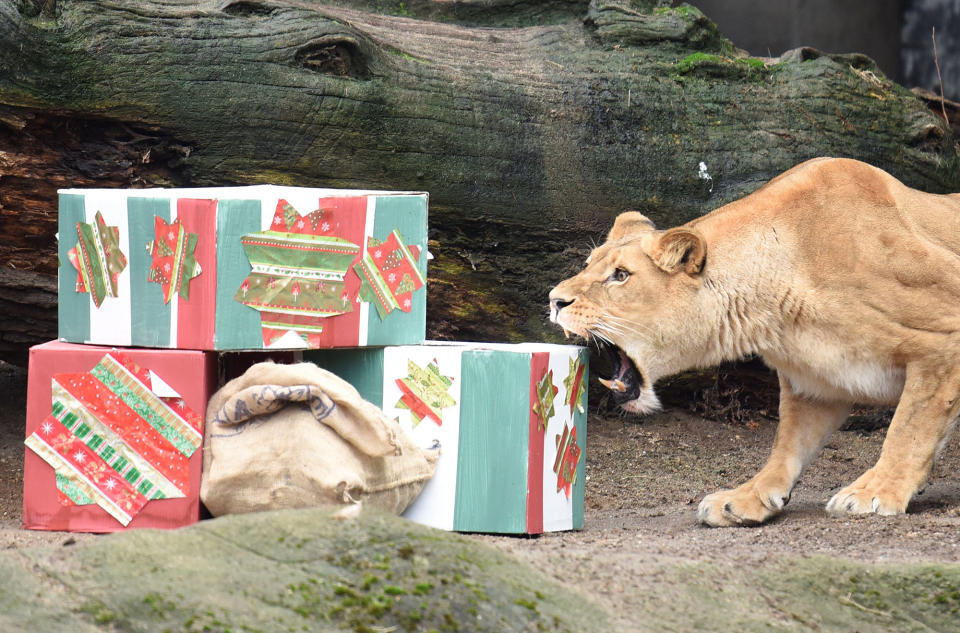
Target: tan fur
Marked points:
840	277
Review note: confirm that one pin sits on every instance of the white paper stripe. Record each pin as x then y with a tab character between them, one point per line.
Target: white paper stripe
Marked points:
111	322
59	464
557	508
364	331
436	503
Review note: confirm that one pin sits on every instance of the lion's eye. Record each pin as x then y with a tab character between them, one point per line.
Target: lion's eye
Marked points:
619	275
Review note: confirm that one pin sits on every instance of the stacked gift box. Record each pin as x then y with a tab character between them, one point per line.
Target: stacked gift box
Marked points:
155	285
510	421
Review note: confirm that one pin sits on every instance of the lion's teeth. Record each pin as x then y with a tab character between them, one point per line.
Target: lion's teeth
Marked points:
613	385
567	332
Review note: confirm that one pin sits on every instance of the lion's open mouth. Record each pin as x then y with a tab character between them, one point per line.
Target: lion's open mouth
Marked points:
626	382
630	387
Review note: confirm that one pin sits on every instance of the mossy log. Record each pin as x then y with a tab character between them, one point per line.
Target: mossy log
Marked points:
530	136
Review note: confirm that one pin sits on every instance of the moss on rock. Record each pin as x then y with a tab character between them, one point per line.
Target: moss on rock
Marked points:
297	570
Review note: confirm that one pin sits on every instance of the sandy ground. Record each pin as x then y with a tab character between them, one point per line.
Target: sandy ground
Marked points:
644	481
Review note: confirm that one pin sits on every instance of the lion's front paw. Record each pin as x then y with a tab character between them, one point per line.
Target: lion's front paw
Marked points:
870	494
744	506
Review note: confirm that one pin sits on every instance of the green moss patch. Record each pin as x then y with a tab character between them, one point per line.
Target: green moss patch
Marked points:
804	594
297	571
719	66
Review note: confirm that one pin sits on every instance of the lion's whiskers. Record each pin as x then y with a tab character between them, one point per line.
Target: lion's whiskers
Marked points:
625	321
597	332
629	325
609	328
623	330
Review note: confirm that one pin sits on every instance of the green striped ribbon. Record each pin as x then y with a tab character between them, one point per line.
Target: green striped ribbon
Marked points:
295	250
175	281
148	406
92	262
408	255
543	407
72	491
112	456
375	289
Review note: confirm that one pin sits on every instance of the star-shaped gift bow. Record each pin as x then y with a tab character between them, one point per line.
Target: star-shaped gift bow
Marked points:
389	273
98	259
425	392
297	277
174	258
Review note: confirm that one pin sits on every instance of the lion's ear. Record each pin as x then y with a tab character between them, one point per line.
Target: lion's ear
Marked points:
680	249
630	224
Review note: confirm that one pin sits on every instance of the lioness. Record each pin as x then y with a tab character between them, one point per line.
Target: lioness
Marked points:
840	277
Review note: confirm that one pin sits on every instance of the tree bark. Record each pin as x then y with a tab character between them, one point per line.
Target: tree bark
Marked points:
530	139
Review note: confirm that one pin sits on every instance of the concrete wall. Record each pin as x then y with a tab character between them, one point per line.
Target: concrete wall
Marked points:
769	28
918	69
895	33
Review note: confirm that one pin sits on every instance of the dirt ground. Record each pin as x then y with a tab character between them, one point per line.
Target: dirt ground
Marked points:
645	478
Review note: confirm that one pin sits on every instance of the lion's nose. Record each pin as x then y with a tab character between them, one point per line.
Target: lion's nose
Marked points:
559	304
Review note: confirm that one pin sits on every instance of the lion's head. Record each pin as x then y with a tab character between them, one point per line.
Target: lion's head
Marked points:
636	299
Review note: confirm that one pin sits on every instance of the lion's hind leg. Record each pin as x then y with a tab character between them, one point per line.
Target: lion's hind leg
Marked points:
921	425
805	425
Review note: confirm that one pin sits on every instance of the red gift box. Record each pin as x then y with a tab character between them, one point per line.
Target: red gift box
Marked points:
114	437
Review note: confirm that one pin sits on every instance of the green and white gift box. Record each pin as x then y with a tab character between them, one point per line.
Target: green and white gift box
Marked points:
510	421
241	268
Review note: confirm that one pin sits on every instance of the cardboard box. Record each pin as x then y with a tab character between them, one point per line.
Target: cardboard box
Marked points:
242	268
510	421
114	437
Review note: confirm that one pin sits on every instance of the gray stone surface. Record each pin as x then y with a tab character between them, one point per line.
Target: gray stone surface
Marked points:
284	571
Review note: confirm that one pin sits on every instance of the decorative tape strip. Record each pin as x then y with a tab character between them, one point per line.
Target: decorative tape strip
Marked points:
177	275
561	447
568	457
113	449
147	405
419	410
277	323
574	385
546	391
262	246
305	311
376	290
72	491
320	274
190	267
409	255
82	481
99	231
280	239
92	265
85	250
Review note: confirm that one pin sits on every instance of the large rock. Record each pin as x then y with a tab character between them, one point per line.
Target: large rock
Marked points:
282	571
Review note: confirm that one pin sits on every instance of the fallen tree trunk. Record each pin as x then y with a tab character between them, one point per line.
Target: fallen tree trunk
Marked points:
529	139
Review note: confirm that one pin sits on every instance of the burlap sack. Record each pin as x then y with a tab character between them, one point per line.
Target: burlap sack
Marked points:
290	436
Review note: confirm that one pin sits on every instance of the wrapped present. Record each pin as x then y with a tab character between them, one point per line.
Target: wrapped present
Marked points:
510	421
113	437
242	268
